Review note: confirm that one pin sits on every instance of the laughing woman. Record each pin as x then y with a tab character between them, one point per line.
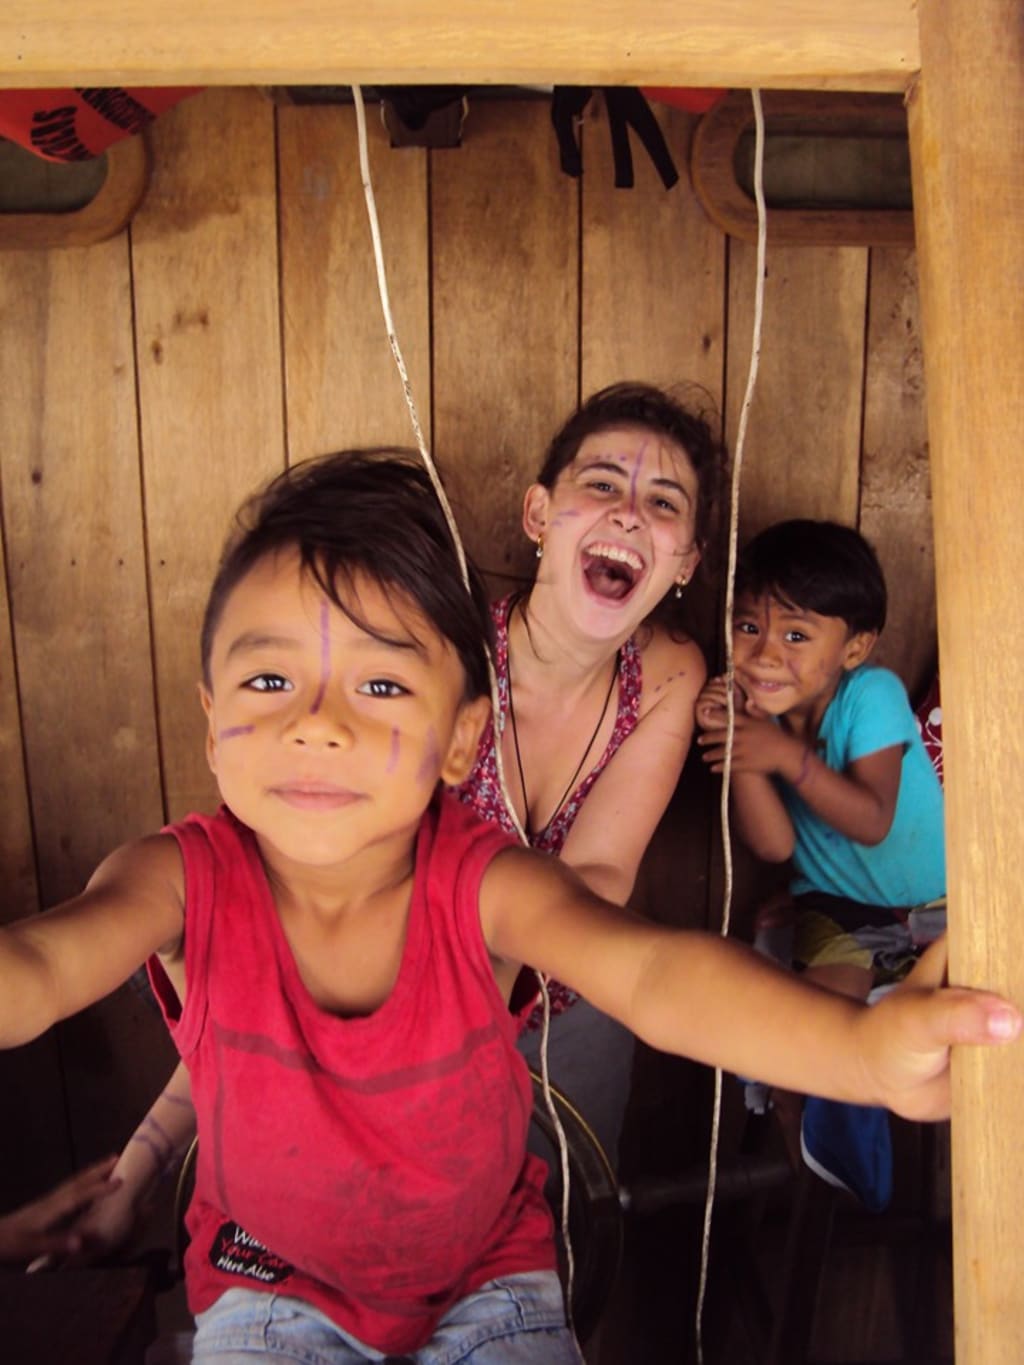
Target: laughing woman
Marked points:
596	690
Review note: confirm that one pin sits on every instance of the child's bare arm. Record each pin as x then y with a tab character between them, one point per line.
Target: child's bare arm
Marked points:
53	965
719	1002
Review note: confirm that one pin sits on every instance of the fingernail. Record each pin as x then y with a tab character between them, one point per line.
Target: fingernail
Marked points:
1004	1024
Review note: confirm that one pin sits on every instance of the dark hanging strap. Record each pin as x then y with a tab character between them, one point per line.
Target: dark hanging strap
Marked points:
567	104
627	108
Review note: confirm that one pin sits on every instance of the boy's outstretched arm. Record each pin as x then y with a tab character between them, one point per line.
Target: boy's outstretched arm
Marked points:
53	965
717	1001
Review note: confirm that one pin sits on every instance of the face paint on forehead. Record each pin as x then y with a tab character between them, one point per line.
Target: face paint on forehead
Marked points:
325	657
634	477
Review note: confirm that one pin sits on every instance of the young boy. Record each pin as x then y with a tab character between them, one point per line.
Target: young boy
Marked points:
334	952
828	765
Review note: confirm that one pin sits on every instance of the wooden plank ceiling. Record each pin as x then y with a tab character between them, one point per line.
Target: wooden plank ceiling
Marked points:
795	44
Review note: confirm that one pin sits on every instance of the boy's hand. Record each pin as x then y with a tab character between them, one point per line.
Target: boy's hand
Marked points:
712	703
758	744
45	1227
711	708
906	1037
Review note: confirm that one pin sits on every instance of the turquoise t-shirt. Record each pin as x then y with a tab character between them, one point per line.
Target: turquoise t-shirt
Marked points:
871	711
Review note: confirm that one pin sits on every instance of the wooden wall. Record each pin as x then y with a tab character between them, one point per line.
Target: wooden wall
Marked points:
147	384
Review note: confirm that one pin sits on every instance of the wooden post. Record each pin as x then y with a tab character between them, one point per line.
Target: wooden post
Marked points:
967	146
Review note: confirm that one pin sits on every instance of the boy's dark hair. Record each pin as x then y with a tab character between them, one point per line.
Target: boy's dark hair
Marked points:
632	404
371	512
818	566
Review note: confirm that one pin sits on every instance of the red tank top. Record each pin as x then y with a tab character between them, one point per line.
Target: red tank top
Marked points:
374	1167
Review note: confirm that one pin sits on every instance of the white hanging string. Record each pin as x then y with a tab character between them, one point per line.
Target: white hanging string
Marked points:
421	444
730	580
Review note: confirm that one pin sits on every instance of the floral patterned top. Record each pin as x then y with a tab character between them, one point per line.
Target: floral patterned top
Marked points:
482	789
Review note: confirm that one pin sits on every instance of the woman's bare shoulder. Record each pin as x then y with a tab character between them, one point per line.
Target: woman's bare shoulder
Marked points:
673	664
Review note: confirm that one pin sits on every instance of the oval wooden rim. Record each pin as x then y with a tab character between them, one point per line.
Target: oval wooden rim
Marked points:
712	167
111	208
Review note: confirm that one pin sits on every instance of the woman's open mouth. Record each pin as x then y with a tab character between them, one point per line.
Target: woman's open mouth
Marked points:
611	571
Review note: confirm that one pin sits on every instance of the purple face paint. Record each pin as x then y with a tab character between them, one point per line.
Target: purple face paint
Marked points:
233	730
325	658
634	477
392	763
430	765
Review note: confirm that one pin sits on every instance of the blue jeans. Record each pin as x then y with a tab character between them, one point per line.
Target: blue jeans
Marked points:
517	1320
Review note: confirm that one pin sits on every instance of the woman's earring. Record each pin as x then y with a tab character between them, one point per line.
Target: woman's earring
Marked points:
681	583
540	545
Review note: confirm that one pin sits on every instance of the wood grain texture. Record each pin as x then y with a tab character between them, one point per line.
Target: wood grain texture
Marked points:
210	392
803	438
653	269
342	384
73	528
77	583
17	848
505	240
795	43
895	495
967	140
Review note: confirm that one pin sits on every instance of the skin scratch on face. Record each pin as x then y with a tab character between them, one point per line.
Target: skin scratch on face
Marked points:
325	657
395	745
232	731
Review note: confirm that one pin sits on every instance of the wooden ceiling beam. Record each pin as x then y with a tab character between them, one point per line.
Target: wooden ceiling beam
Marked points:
794	44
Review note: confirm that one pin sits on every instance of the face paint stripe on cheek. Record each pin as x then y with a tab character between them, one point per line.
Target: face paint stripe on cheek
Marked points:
395	746
430	764
325	658
232	731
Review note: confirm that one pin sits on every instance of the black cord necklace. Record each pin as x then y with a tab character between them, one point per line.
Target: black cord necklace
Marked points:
579	766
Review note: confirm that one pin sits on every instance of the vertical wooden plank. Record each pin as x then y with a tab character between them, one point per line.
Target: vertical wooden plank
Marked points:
895	510
653	268
505	242
17	853
34	1141
341	382
75	558
802	454
967	157
73	525
205	257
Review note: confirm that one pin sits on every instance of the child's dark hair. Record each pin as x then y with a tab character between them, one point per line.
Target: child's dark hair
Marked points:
818	566
632	404
362	512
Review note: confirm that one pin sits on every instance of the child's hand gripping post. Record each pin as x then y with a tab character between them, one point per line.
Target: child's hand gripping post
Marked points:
906	1037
